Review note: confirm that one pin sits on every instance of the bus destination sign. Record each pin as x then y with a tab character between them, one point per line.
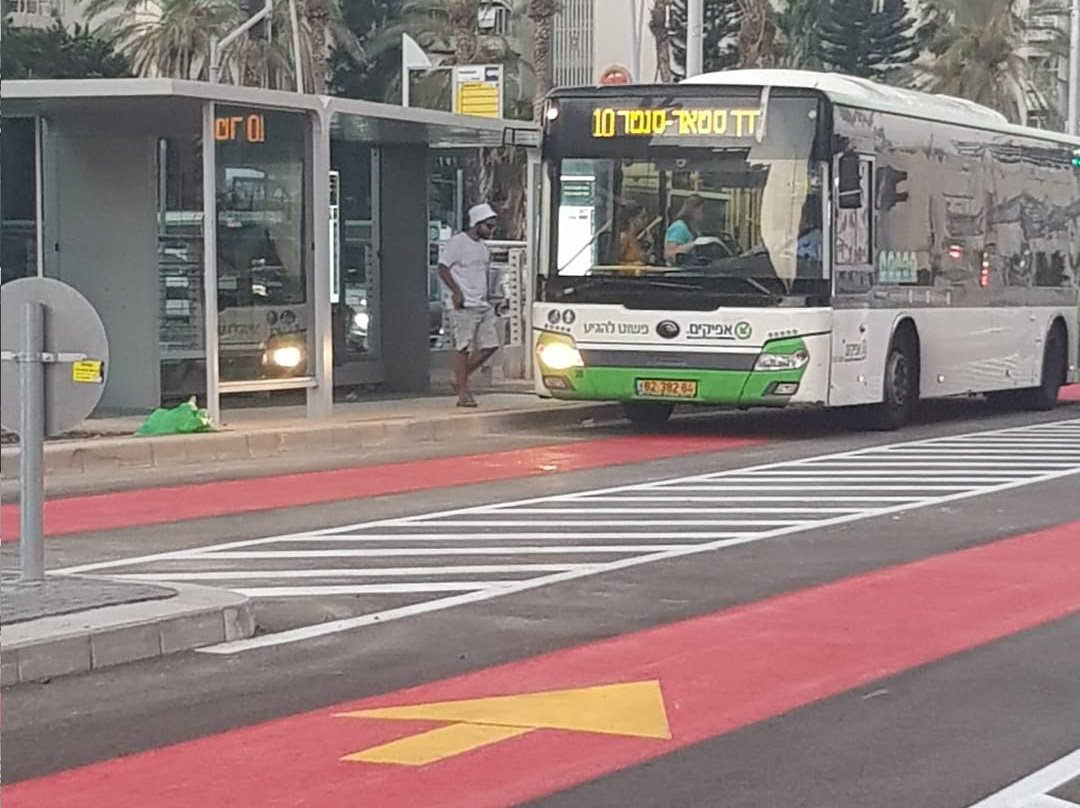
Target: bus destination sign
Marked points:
613	122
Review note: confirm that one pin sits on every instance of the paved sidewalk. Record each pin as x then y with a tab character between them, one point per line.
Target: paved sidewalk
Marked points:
257	433
71	624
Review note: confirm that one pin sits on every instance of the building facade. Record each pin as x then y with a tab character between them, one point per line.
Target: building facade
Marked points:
593	36
1046	49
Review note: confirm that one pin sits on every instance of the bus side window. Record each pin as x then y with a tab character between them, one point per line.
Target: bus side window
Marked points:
853	245
849	182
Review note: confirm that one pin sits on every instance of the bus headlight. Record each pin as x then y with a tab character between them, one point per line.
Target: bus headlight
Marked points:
559	356
784	361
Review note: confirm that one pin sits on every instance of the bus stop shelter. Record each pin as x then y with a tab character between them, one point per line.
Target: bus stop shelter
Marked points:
295	253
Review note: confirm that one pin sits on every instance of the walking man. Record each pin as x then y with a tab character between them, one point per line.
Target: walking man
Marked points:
463	268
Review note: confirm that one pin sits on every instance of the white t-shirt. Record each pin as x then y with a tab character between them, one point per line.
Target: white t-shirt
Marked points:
468	260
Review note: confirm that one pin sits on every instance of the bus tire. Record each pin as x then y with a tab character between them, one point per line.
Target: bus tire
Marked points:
647	413
900	386
1054	367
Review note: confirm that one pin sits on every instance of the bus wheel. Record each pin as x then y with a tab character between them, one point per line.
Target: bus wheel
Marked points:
1054	366
647	413
900	388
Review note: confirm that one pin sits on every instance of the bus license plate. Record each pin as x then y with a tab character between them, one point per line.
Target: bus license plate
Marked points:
666	388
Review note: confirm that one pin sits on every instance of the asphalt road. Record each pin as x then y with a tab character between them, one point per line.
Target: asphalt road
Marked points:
944	729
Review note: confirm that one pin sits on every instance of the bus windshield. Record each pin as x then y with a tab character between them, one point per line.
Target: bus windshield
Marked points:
736	216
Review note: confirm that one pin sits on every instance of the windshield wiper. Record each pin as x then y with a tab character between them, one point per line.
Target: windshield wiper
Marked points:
765	290
597	280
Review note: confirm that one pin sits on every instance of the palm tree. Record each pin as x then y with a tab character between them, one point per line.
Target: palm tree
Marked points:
318	15
658	26
172	38
542	14
757	33
977	55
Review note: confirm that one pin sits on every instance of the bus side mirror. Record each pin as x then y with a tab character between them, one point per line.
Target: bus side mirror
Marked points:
849	185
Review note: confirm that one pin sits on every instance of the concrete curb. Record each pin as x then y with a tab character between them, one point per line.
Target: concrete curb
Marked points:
84	456
112	635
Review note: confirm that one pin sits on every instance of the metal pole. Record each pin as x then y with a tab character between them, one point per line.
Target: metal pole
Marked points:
404	73
39	195
217	47
1074	69
320	399
695	33
210	273
297	67
32	444
532	255
213	70
637	11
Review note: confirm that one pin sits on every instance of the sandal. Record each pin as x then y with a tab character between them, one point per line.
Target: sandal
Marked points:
467	402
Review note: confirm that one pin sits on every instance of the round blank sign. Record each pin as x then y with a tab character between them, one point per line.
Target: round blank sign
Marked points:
73	386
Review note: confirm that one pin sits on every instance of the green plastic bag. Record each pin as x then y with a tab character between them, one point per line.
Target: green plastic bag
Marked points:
180	420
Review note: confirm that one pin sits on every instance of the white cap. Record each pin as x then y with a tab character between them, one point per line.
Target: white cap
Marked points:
481	213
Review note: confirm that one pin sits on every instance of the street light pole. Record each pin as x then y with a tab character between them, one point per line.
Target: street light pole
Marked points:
695	33
1074	68
297	65
217	47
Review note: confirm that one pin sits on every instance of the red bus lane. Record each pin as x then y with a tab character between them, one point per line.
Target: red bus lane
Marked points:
170	504
523	730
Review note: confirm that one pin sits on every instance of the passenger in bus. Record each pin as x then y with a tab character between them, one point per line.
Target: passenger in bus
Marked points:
680	236
631	252
809	244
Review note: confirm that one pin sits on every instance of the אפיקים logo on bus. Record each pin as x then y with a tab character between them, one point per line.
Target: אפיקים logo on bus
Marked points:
722	331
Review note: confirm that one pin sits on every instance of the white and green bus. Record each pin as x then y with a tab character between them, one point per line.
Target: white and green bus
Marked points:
782	238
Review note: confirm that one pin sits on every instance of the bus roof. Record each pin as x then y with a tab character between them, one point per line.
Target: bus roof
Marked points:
851	91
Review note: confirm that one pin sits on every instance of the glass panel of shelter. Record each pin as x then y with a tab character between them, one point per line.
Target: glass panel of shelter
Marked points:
18	231
265	314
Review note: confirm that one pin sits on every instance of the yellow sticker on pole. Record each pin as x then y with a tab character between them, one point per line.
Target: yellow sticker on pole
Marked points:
90	371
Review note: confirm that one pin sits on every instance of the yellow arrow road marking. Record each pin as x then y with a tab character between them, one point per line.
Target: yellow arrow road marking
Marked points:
635	709
428	747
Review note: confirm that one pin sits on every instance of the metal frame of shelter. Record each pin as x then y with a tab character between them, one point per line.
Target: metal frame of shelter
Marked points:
386	123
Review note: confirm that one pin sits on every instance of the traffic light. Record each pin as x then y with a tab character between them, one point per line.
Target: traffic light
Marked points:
889	180
1076	158
253	7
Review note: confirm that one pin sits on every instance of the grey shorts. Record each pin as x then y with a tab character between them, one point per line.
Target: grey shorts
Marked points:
474	329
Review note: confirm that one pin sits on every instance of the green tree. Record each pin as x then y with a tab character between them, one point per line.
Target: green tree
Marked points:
56	53
861	40
799	24
447	31
370	70
719	47
894	40
976	55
